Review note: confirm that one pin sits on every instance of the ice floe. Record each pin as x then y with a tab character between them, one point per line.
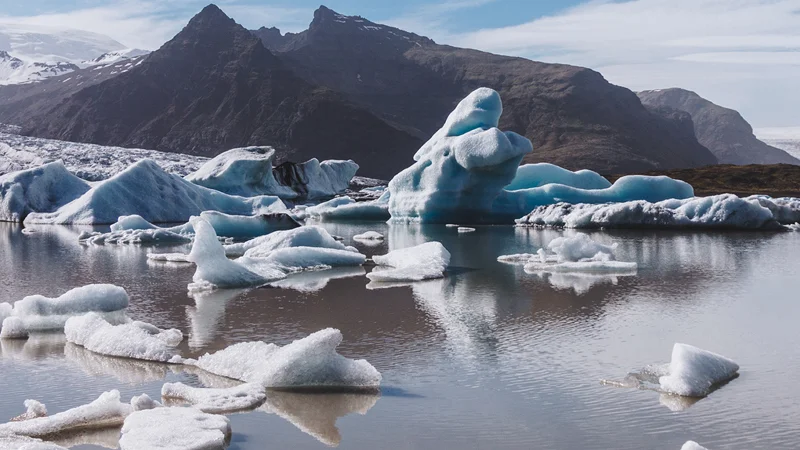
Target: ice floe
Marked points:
175	429
422	262
369	237
578	253
136	340
37	313
297	259
719	211
106	411
215	400
694	372
306	236
249	172
465	229
308	363
41	189
147	190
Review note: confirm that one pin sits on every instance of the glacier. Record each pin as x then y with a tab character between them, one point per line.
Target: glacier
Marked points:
147	190
41	189
249	171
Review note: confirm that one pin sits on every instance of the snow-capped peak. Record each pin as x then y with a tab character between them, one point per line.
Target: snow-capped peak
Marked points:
112	57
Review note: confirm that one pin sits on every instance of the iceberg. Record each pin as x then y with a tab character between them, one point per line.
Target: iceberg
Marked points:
305	236
42	189
308	363
215	270
718	211
368	237
692	445
135	340
37	313
536	175
461	174
147	190
106	411
216	400
249	172
694	372
422	262
175	429
346	209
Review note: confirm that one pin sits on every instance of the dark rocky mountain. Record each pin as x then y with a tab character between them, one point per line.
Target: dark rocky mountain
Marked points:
212	87
574	117
723	131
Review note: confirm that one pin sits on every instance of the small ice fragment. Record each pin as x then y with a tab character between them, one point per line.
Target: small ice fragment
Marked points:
693	372
174	429
216	401
368	236
169	257
34	409
516	258
425	261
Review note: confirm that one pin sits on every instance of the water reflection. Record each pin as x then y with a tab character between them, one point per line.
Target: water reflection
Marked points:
124	370
104	437
208	313
580	283
316	414
36	347
317	280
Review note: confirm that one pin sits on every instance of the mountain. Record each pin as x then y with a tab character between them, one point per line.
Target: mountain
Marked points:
31	54
723	131
212	87
573	116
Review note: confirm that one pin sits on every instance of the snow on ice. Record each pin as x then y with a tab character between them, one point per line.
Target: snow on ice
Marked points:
37	313
135	340
422	262
216	400
311	362
249	172
175	429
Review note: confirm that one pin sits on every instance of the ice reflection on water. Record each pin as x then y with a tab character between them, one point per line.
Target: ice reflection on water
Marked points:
490	357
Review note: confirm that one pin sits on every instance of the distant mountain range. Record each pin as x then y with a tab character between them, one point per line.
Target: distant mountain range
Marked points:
345	88
722	130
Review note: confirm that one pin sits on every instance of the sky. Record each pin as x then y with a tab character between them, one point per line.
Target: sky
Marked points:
743	54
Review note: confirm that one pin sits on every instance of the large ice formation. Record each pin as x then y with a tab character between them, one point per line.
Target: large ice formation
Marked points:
718	211
175	429
215	270
461	172
147	190
216	400
41	189
422	262
135	340
249	172
308	363
106	411
37	313
694	372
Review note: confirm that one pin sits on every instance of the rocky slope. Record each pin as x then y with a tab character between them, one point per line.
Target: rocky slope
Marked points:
721	130
574	117
212	87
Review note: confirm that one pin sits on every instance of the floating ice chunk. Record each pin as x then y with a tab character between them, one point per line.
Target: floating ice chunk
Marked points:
297	259
106	411
144	402
41	189
579	253
248	172
214	269
214	400
580	247
536	175
316	414
694	372
34	409
147	190
517	258
368	237
306	236
452	225
790	227
465	229
692	445
174	429
425	261
123	237
136	340
719	211
785	210
169	257
15	442
132	222
37	313
308	363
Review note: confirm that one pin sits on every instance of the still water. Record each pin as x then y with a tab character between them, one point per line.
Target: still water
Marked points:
489	357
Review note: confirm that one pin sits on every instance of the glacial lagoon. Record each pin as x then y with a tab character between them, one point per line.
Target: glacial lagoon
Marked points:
488	357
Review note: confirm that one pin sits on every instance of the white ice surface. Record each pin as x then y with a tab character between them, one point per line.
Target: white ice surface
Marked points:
16	442
106	411
216	400
306	236
422	262
308	363
147	190
40	189
368	236
579	253
36	313
693	372
174	429
135	340
297	259
692	445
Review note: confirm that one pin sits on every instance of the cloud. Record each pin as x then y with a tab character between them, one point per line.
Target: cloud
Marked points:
432	20
726	50
149	23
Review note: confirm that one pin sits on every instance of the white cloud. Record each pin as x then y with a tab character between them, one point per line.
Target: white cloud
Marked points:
738	53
